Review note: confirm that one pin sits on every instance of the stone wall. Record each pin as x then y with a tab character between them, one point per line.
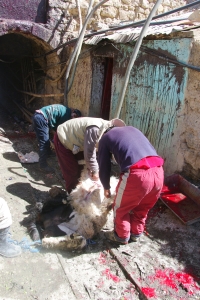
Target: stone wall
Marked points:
190	137
65	17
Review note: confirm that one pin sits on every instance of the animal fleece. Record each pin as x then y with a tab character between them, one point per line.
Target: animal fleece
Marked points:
67	221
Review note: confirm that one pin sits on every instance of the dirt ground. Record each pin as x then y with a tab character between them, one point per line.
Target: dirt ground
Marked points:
164	264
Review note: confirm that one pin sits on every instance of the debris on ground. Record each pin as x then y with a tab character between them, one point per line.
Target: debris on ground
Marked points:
28	158
162	265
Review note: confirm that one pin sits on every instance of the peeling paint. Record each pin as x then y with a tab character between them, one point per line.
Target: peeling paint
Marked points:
155	92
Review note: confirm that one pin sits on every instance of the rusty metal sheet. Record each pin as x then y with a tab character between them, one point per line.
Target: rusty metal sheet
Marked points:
182	198
125	35
155	92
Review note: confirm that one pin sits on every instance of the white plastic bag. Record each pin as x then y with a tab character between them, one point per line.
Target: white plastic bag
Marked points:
28	158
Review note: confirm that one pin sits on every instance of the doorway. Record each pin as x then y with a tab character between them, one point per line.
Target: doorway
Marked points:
101	87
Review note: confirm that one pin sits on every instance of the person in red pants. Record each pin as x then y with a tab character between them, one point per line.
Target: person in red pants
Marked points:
77	139
140	182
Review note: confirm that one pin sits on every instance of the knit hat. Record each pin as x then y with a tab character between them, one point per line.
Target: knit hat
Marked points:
117	123
110	124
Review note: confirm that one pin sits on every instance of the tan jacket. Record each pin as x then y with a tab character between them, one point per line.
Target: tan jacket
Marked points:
72	132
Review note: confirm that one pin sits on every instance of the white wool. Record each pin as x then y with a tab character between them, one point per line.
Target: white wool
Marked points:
90	205
90	213
65	242
88	196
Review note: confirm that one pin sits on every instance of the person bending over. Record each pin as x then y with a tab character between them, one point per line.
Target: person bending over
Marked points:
140	182
49	118
77	139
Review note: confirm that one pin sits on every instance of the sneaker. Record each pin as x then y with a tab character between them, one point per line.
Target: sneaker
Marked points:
10	250
135	238
111	235
47	169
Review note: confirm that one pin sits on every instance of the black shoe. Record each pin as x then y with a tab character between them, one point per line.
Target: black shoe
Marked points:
51	153
47	169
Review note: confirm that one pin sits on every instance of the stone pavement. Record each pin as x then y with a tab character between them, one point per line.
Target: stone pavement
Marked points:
163	265
35	274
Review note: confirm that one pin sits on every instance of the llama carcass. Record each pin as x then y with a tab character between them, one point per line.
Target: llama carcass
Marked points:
68	226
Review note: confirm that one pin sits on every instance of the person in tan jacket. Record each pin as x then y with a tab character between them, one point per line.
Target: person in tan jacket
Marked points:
77	139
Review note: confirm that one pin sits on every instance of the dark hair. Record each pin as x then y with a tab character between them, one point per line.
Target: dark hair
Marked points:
77	112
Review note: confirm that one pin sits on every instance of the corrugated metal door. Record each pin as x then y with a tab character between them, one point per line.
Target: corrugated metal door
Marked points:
155	93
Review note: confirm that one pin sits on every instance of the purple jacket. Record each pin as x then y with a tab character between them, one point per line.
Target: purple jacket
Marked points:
127	144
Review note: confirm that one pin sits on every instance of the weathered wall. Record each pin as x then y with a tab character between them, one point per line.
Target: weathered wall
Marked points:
65	18
54	22
48	24
190	134
30	10
80	93
154	100
183	151
162	99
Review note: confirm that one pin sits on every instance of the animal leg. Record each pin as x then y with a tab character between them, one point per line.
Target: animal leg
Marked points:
33	231
67	242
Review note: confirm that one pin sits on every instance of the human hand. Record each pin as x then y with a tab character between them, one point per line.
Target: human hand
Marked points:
107	193
93	175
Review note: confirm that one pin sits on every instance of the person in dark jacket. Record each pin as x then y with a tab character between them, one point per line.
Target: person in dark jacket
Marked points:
140	182
46	118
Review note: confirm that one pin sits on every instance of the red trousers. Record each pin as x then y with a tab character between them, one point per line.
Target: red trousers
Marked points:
137	192
68	163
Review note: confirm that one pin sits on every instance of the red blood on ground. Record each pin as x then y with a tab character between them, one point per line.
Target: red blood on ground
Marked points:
102	258
173	280
188	282
100	283
167	278
110	276
149	292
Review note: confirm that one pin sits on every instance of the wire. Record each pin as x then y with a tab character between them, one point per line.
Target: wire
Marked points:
67	88
77	47
165	57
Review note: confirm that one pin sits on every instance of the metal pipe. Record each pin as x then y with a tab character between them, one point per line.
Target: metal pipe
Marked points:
79	41
79	15
134	55
78	52
133	24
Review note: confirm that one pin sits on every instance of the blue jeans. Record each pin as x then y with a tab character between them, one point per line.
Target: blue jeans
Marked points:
41	128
